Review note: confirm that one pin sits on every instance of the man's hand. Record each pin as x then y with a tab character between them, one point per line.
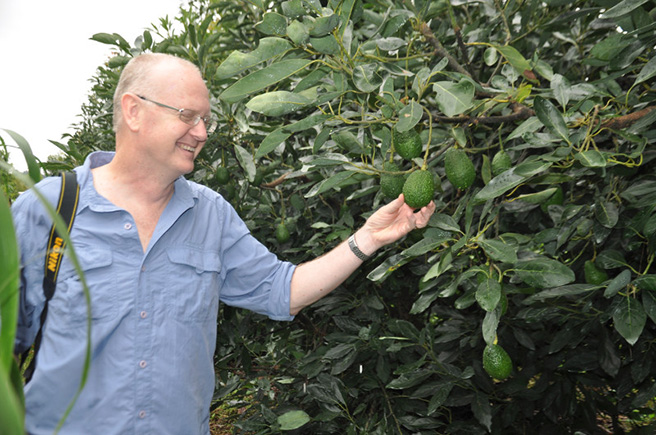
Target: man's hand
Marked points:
391	222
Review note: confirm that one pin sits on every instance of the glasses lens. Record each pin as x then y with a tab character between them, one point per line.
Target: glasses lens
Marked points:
189	117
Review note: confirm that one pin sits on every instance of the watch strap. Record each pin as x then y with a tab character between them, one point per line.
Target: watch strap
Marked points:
354	248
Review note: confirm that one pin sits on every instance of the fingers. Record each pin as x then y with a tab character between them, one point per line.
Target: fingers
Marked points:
424	215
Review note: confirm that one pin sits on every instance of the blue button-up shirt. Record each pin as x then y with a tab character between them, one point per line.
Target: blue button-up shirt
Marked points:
154	313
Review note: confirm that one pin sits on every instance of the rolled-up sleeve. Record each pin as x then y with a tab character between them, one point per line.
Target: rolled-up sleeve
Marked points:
253	277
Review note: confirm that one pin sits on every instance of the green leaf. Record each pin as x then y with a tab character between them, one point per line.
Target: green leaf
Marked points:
298	32
529	168
618	283
292	420
345	11
391	43
514	58
622	8
424	301
343	364
111	39
263	78
591	159
387	267
611	259
324	25
292	8
649	304
444	222
272	24
409	380
454	98
333	182
11	409
561	89
32	162
348	142
9	276
404	329
482	409
609	48
366	77
609	360
497	250
118	61
246	162
531	125
499	185
538	197
646	282
271	142
439	397
607	214
238	62
489	326
629	319
440	267
307	123
551	118
647	72
488	294
409	116
277	103
326	44
544	273
565	290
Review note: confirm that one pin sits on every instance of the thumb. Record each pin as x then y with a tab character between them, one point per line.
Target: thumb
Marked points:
392	207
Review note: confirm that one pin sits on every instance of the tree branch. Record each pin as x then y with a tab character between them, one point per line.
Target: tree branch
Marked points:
624	121
439	49
520	112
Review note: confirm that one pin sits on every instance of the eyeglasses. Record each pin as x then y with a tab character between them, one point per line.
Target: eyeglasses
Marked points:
188	116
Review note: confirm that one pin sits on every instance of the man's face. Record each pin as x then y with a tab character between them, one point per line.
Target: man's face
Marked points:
167	139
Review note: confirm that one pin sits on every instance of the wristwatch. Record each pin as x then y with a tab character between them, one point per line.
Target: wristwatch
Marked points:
354	248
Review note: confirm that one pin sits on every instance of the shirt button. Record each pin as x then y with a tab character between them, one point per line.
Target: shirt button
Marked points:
142	414
143	364
143	314
143	268
127	226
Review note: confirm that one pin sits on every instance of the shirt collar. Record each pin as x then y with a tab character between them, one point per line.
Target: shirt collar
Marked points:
183	198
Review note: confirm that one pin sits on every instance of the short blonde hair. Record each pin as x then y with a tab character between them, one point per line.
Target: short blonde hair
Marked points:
136	78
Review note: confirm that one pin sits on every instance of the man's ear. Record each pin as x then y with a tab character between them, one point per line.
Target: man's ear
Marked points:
131	109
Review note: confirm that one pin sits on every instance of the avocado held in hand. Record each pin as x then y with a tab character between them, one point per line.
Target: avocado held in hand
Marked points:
419	188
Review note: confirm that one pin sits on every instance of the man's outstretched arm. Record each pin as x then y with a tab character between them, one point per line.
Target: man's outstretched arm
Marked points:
315	279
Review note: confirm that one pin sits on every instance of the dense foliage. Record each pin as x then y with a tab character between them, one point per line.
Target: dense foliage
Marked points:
548	252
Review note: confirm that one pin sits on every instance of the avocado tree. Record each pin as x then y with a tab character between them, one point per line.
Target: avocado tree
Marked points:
528	305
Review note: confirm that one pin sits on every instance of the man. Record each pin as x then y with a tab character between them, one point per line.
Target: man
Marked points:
158	253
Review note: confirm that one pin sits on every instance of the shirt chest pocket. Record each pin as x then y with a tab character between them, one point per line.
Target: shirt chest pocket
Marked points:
70	302
194	286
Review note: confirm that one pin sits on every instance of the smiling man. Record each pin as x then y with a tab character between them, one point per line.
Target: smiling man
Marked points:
159	253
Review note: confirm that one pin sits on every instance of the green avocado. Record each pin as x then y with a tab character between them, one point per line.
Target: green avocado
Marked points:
593	274
419	188
407	144
282	233
222	175
496	362
459	168
390	184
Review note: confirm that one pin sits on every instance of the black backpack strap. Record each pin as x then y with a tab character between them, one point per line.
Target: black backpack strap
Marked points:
67	206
